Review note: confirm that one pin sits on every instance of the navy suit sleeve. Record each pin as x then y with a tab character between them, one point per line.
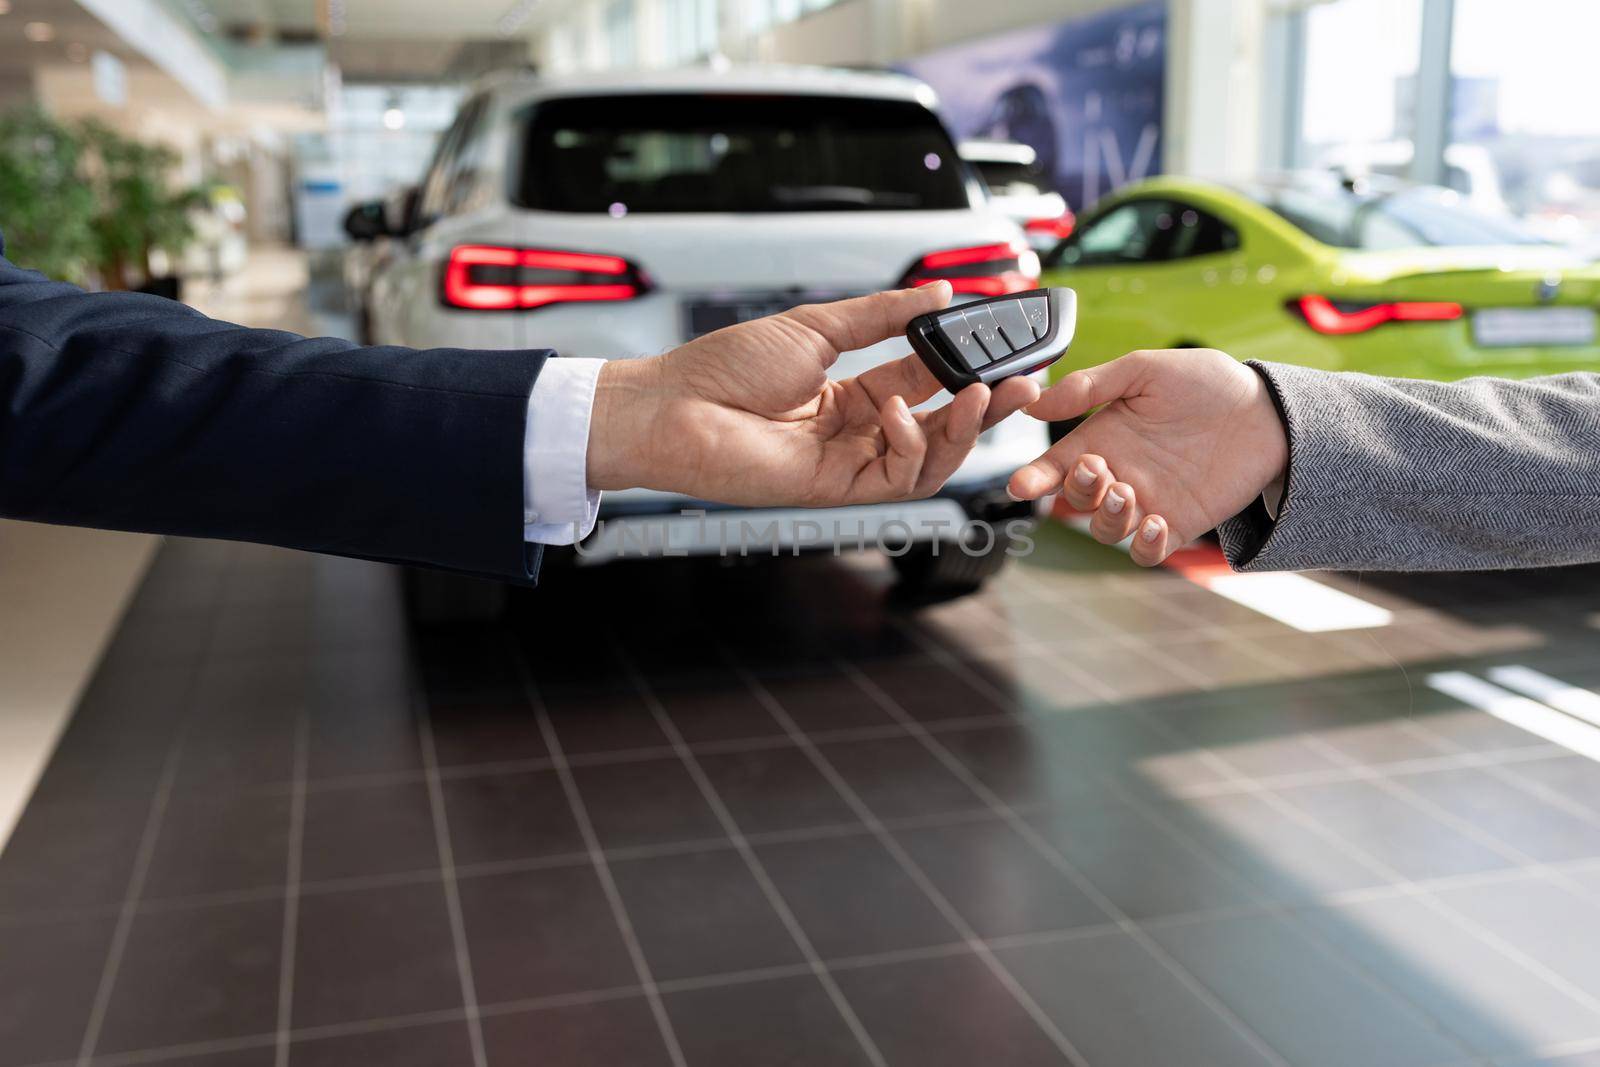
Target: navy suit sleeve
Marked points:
129	412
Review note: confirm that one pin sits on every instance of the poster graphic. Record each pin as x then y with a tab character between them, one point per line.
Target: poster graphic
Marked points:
1087	94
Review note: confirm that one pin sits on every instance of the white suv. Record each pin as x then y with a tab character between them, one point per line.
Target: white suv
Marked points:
619	217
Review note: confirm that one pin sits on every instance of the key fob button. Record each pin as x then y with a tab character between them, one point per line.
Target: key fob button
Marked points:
987	331
995	339
1037	311
1013	322
958	332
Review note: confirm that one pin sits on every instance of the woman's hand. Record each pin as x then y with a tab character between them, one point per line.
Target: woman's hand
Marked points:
1183	441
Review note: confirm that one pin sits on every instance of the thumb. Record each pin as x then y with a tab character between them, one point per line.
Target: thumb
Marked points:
1084	390
865	320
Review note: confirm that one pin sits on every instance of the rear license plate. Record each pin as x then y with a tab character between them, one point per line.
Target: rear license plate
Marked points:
713	313
1533	327
703	316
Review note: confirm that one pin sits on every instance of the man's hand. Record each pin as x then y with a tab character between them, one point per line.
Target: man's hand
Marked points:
1185	440
747	415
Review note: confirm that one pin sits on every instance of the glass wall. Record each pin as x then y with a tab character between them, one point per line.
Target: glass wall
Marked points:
621	46
1524	103
618	34
1360	82
1527	109
688	30
762	15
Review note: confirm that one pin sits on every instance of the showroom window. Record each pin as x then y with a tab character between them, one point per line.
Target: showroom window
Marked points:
688	30
1361	59
1526	117
761	15
1513	130
620	42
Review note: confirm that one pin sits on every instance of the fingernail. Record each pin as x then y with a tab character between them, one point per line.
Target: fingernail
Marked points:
1012	495
1083	475
1151	531
1114	503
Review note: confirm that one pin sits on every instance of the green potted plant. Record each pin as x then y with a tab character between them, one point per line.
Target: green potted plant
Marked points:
137	209
46	209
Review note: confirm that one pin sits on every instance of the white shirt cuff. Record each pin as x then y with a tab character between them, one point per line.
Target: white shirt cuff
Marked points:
558	508
1272	497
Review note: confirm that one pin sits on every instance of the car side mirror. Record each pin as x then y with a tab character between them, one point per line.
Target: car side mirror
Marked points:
401	212
366	221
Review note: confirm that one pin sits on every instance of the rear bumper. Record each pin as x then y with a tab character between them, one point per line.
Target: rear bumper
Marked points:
673	527
637	523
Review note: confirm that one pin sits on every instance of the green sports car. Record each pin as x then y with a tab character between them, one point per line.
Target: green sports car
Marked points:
1389	279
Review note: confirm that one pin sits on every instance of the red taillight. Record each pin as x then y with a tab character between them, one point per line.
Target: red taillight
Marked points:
981	270
1057	226
490	278
1324	316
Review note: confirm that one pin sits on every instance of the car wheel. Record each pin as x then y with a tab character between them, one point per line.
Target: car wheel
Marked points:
438	598
932	572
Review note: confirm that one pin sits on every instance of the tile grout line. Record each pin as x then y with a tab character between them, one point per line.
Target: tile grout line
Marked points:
489	869
1408	796
1464	760
1526	863
452	890
729	978
1419	765
847	793
1502	771
1409	888
459	772
1536	1056
1056	858
752	861
1287	913
1538	790
291	892
597	859
124	928
559	1000
1290	915
1053	855
146	853
930	729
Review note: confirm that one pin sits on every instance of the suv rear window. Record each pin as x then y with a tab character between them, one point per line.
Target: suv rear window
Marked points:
707	152
1012	179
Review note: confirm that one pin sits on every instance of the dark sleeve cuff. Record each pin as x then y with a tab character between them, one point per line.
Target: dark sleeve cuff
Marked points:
1248	538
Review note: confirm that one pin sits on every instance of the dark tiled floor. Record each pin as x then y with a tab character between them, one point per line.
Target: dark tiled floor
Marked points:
686	814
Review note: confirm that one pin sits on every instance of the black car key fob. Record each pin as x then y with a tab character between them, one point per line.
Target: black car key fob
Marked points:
997	338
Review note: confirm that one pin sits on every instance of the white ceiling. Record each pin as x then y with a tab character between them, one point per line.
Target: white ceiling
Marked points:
76	34
457	19
375	40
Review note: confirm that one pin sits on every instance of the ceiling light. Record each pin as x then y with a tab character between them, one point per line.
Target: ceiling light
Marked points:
39	32
5	7
394	119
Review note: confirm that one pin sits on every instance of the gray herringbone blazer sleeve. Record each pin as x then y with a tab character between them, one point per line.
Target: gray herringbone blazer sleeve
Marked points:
1395	474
